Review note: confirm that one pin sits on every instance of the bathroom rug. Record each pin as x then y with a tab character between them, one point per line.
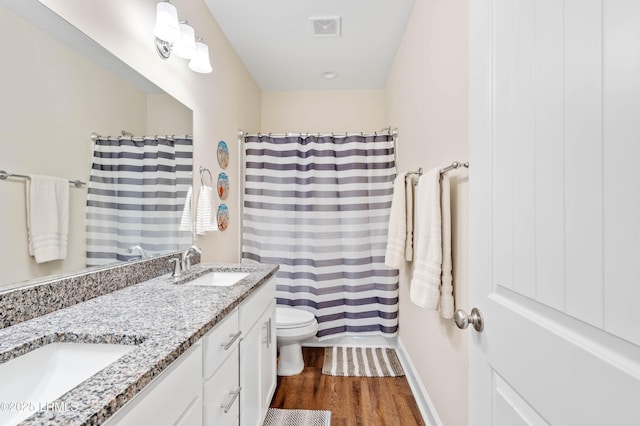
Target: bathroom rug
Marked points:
280	417
361	361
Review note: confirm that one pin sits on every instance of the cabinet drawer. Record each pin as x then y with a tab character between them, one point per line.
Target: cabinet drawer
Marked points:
219	343
159	403
252	308
221	394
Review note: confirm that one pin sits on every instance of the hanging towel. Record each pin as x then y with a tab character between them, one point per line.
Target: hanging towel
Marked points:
425	284
409	195
397	232
205	212
186	222
446	286
47	205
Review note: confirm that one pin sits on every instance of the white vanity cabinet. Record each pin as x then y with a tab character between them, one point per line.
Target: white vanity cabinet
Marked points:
173	398
257	355
226	379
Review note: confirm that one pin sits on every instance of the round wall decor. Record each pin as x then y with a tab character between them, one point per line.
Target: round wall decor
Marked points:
223	154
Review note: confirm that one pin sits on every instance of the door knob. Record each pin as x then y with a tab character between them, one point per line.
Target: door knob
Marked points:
463	320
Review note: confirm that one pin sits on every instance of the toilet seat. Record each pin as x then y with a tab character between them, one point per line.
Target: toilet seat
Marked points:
293	318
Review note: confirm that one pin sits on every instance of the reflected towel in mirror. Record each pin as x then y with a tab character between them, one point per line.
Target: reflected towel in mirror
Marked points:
186	222
47	205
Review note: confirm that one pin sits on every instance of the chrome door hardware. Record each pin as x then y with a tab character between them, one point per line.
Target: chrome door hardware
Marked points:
463	320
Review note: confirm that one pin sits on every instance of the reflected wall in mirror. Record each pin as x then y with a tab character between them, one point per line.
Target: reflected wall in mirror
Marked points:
53	98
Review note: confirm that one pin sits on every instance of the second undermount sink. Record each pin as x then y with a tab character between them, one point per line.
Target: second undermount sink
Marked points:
33	381
219	278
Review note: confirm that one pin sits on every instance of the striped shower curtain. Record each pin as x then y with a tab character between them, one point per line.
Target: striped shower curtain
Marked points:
319	207
136	196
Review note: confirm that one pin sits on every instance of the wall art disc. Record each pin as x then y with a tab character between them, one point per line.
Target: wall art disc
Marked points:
223	217
223	186
223	154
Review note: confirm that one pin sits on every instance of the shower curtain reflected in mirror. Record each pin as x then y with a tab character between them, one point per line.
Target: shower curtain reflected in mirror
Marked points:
136	196
318	206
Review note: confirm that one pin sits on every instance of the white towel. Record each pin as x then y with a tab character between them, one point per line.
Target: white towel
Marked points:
446	287
397	233
47	205
206	220
186	222
425	284
409	196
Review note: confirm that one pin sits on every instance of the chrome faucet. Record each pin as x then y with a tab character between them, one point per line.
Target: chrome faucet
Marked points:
143	254
177	269
186	257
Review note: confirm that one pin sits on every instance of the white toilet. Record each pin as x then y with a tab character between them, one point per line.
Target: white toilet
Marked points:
292	327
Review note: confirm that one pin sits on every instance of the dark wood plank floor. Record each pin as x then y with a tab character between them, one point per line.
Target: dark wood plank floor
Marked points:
366	401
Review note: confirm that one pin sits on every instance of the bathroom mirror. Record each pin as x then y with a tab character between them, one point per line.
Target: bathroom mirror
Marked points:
58	87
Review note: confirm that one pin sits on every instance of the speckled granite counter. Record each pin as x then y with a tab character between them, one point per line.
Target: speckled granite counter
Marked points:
162	318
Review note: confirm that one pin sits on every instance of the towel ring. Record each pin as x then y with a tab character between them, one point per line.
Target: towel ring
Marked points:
202	171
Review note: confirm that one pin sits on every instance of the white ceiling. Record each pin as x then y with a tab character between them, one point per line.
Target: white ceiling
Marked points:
275	41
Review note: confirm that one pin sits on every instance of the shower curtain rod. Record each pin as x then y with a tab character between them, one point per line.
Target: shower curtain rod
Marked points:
128	135
392	132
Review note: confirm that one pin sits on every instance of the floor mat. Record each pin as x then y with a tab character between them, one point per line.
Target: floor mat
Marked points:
361	361
280	417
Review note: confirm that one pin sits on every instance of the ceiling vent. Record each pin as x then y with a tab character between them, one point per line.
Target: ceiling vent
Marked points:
325	27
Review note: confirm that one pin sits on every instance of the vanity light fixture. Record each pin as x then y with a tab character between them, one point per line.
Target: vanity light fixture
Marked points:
200	62
178	37
185	47
167	27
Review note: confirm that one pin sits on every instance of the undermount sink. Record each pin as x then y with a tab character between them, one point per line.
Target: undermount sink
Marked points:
37	378
219	278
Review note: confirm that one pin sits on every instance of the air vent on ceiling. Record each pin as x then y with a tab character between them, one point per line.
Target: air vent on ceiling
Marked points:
325	27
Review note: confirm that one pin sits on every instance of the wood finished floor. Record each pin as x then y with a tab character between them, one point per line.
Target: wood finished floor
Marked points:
366	401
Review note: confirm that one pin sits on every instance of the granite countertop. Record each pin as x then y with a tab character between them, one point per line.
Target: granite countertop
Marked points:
161	317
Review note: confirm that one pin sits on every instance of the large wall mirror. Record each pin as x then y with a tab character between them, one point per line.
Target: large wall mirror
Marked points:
58	87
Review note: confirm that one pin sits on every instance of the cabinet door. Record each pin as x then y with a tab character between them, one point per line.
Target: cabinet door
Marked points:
193	415
258	368
268	373
250	377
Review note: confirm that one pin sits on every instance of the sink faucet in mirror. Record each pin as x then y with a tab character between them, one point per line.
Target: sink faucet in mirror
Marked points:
143	253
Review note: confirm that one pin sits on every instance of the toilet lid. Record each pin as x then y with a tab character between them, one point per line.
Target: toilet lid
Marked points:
291	318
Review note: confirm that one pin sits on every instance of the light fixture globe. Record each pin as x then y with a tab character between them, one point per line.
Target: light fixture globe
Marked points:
185	47
167	27
200	62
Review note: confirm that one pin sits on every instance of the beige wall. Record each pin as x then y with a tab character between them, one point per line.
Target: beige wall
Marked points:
166	116
328	111
222	102
427	100
52	99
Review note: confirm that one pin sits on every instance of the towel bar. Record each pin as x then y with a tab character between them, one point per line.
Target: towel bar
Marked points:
4	175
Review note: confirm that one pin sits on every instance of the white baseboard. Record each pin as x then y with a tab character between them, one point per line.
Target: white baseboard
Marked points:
426	407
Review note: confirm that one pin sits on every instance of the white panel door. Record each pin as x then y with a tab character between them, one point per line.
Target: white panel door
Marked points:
555	212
